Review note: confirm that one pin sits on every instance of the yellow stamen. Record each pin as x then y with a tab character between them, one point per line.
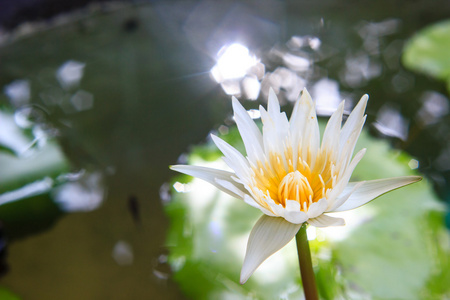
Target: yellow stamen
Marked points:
295	186
277	180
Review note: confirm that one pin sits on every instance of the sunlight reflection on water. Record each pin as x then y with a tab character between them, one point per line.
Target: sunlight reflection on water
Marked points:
70	74
12	136
18	92
85	194
391	123
123	253
233	62
237	70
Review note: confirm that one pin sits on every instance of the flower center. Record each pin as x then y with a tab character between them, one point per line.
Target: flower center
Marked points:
295	186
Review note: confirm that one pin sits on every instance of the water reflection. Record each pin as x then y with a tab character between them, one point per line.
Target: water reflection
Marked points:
359	69
294	66
251	87
123	253
223	129
238	71
18	92
161	269
391	123
283	79
327	97
182	187
70	74
233	62
298	42
372	32
164	192
22	117
296	62
402	82
413	164
82	100
86	193
12	136
434	107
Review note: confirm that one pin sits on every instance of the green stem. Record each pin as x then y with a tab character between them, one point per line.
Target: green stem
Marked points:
306	268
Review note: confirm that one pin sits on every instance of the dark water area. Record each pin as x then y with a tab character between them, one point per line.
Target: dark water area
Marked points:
138	93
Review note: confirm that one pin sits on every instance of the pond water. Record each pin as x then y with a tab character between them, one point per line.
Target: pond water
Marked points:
105	98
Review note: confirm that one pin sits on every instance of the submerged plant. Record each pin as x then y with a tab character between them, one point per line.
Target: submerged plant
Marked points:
292	177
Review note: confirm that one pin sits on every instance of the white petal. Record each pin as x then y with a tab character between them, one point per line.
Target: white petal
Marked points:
346	149
275	136
300	129
292	205
293	214
213	176
251	136
317	208
302	108
267	237
235	159
278	209
325	221
273	106
250	201
232	187
270	134
353	124
374	188
345	195
355	117
275	128
330	141
311	134
280	119
343	181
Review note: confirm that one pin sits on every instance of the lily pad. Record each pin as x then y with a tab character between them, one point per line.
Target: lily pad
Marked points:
428	51
392	248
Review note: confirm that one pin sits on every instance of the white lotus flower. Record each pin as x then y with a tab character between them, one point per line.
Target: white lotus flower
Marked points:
290	176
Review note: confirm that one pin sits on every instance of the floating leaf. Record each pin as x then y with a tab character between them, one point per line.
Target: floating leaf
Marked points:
428	51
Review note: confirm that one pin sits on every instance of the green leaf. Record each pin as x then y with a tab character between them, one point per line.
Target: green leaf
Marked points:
428	51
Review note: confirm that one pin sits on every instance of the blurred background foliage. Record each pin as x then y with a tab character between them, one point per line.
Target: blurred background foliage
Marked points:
99	97
427	52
